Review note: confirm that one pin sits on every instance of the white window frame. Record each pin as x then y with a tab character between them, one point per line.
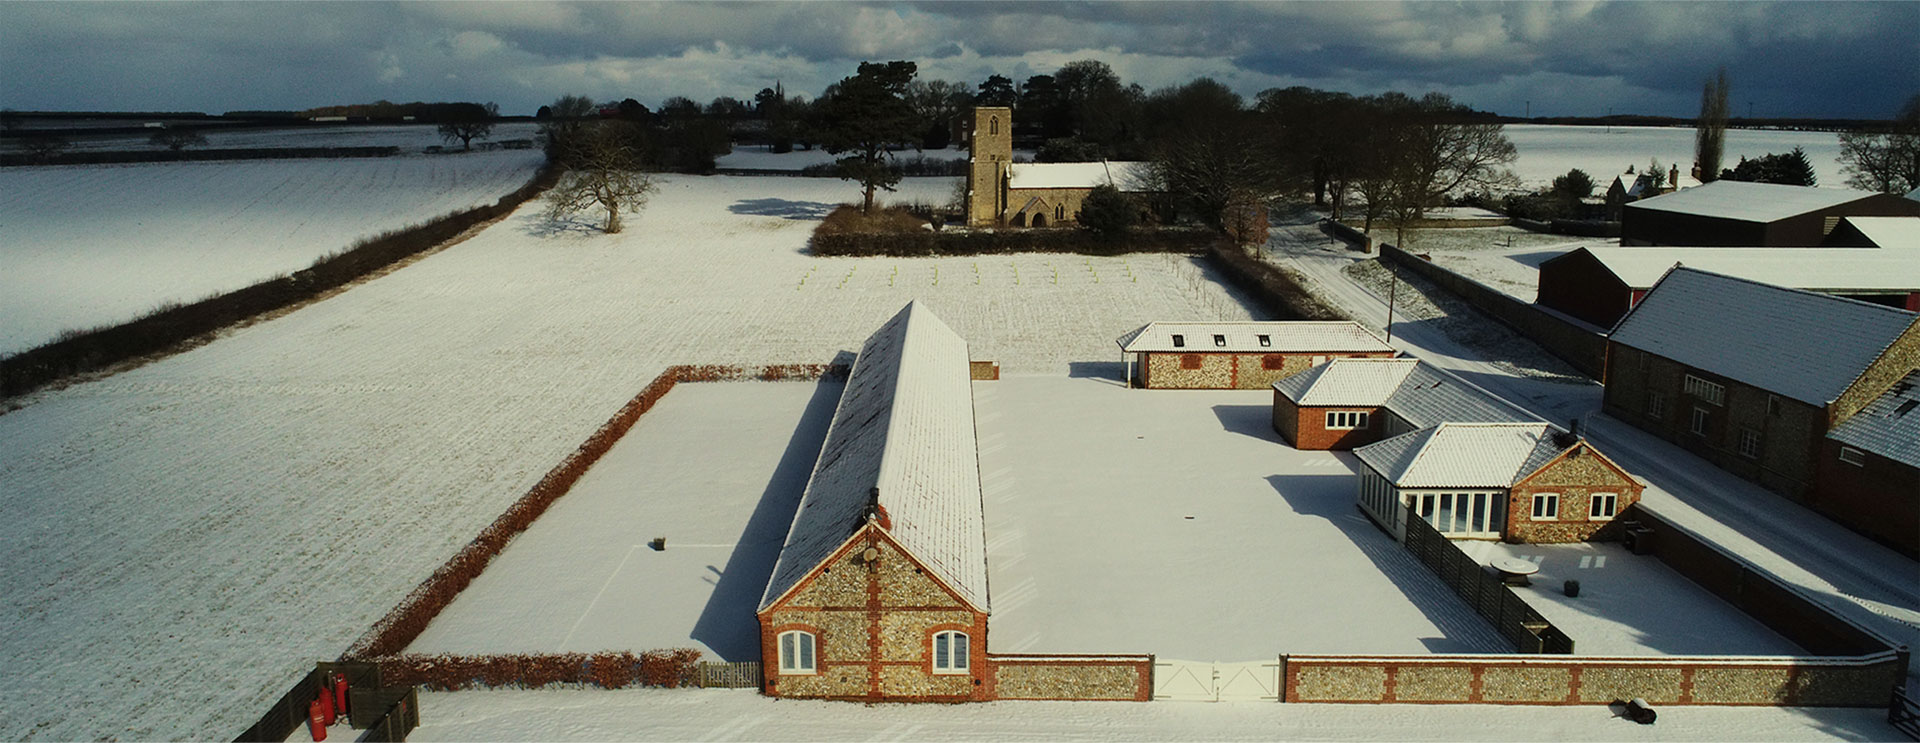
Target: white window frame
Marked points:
1750	443
1610	500
799	653
1853	456
952	647
1697	425
1710	392
1552	500
1348	420
1657	406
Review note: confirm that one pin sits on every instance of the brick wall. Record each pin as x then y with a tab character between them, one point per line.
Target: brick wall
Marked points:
1309	430
1879	498
1225	370
1862	681
1124	678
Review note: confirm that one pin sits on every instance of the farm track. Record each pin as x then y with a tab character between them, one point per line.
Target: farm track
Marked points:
211	523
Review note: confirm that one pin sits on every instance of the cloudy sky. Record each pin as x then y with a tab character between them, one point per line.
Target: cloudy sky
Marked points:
1809	59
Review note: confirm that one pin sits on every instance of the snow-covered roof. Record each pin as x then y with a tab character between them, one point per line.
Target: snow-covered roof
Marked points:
1463	455
903	435
1123	175
1282	336
1347	382
1749	202
1420	393
1794	343
1889	426
1889	232
1828	269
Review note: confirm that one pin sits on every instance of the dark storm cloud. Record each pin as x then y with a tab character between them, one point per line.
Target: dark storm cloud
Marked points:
1793	58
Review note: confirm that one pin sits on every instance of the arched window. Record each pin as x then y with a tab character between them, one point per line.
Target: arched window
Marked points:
993	125
1060	212
796	652
950	652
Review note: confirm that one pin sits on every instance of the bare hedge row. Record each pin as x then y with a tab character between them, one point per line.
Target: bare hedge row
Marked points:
398	629
970	242
100	157
1282	296
660	668
167	328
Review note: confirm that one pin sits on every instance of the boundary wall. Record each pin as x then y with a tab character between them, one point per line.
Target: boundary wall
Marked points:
1862	681
1115	678
1585	349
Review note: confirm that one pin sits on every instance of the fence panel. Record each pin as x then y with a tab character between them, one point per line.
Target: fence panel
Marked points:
739	675
1510	617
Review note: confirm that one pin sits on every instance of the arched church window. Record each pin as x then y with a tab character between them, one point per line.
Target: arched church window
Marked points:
993	125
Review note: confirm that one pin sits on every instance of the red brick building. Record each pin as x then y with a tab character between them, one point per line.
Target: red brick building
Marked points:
1349	403
1239	355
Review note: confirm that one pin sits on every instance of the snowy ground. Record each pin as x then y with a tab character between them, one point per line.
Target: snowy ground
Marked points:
407	137
1547	151
716	469
212	523
1176	522
728	715
178	232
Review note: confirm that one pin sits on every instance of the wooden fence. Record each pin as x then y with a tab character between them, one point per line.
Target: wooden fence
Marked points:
1490	598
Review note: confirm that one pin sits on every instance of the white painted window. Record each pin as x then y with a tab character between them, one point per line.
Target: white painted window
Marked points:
1462	513
1705	390
796	652
1604	505
1346	420
950	652
1853	456
1749	443
1546	506
1656	406
1698	425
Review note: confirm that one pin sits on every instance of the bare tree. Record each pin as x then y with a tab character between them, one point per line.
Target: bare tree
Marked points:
177	138
468	121
567	117
1888	160
604	171
1710	136
936	102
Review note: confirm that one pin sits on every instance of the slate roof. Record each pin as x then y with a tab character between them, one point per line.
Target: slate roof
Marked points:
904	430
1889	426
1123	175
1463	455
1332	336
1347	382
1749	202
1829	269
1889	232
1421	393
1798	344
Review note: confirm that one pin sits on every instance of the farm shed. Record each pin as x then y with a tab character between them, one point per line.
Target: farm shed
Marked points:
1734	213
1600	284
1518	482
1002	193
1869	466
1240	355
1876	232
1753	377
880	591
1354	402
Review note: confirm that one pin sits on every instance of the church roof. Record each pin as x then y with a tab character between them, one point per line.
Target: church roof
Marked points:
1125	175
902	438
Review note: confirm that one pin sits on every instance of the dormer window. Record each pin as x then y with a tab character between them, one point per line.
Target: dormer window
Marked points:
1179	341
1220	340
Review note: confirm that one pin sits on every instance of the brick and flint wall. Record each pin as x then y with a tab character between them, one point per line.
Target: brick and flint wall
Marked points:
1116	678
1224	370
1862	681
873	624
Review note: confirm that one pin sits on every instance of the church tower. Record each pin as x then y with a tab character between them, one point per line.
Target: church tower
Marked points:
990	149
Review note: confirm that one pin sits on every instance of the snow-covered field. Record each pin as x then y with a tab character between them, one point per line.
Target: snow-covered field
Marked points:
185	538
1547	151
728	715
88	245
407	137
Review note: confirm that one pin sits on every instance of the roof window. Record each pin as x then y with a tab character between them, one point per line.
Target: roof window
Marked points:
1266	341
1179	341
1219	340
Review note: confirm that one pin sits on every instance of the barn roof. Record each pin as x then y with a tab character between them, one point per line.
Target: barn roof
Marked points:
1828	269
1420	393
1124	175
1464	455
1889	426
1889	232
1750	202
1332	336
1798	344
903	437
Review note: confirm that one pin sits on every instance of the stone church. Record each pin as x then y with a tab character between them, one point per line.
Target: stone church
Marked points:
1003	193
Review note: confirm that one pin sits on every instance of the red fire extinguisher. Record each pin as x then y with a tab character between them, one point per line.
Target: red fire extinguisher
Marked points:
340	693
316	721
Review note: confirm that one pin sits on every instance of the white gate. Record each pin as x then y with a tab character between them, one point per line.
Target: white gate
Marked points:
1196	681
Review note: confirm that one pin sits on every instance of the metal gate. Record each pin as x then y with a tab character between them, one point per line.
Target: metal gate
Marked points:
1197	681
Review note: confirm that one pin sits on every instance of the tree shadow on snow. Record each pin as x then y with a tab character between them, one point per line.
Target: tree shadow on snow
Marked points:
801	210
567	225
1332	497
1248	420
728	624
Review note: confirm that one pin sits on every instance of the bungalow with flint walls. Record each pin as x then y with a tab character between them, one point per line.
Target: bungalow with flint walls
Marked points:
880	592
1240	355
1517	482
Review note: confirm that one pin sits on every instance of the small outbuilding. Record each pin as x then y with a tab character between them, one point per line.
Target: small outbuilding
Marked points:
1348	403
1248	355
1517	482
1735	213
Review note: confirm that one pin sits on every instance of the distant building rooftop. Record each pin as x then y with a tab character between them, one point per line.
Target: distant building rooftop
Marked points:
1822	269
1749	202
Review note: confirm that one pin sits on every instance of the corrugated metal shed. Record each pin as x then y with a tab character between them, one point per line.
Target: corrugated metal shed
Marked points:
1823	269
1302	336
1798	344
1749	202
1124	175
1889	426
904	431
1463	455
